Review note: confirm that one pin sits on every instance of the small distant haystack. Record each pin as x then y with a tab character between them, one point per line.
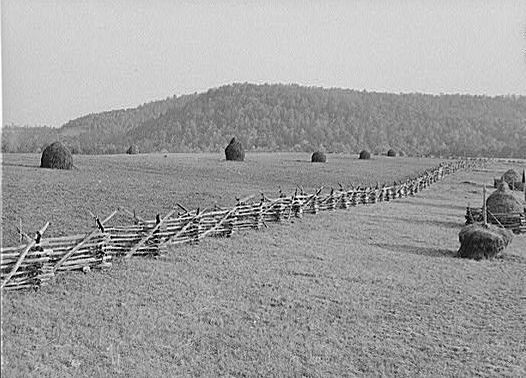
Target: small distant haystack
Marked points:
391	153
365	155
511	177
318	157
234	151
56	156
502	201
132	150
483	242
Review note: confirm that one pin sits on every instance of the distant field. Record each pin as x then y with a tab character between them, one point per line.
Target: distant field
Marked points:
153	183
370	291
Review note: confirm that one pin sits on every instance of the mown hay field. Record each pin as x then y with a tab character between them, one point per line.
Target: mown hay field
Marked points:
153	183
373	290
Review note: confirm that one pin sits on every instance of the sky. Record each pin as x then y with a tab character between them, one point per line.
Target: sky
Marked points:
62	59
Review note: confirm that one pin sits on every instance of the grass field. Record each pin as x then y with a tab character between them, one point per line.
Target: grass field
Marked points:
152	184
371	291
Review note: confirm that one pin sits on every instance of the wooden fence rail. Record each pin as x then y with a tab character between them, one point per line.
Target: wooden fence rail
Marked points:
513	221
35	264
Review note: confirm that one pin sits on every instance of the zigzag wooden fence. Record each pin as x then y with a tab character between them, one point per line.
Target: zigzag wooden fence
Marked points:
36	263
513	221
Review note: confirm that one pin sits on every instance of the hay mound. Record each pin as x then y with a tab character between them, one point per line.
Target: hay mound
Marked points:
234	151
132	150
364	155
391	153
318	157
483	242
502	201
56	156
511	177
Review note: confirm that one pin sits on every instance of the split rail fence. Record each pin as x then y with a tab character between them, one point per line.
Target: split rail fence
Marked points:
40	259
515	222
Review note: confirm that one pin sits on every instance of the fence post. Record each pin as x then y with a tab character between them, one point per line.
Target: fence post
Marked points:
148	236
197	231
365	196
344	200
23	255
84	240
259	216
297	209
354	197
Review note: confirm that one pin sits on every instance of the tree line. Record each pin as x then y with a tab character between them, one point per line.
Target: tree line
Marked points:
297	118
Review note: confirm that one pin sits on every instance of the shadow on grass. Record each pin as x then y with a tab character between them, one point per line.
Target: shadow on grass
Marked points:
512	258
440	223
446	224
471	183
20	165
415	250
411	201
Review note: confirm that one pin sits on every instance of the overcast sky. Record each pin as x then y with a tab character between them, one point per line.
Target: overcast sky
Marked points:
63	59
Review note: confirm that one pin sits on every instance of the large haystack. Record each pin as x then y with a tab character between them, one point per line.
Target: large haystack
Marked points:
502	201
391	153
56	156
483	242
234	151
365	155
511	177
318	157
132	150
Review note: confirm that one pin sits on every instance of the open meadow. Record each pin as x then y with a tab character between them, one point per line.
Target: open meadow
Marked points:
369	291
153	183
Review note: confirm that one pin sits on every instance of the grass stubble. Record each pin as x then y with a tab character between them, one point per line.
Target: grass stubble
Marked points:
374	290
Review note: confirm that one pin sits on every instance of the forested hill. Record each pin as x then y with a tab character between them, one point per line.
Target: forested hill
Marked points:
296	118
92	133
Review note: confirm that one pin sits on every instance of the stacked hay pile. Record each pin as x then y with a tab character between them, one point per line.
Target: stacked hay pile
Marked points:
132	150
318	157
56	156
502	201
234	151
365	155
511	177
391	153
479	241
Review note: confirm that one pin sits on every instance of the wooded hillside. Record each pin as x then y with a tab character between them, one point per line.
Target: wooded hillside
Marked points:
297	118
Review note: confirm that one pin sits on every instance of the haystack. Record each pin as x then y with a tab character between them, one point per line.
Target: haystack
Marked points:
234	151
483	242
364	155
318	157
511	177
391	153
56	156
132	150
502	201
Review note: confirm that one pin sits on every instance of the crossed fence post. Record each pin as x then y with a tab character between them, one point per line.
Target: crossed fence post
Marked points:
23	255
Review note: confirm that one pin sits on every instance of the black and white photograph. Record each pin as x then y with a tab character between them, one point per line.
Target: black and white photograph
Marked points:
244	188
